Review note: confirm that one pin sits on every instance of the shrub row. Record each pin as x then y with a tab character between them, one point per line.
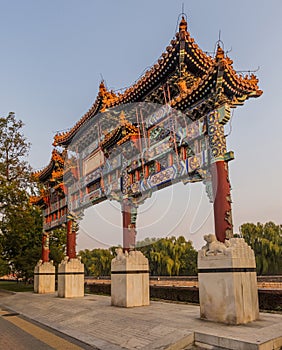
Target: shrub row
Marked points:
269	299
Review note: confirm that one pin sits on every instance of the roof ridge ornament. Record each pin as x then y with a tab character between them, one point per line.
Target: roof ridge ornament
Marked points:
219	52
183	25
102	87
108	96
183	33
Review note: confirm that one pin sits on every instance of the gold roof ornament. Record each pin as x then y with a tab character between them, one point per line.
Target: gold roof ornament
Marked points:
56	164
183	25
219	53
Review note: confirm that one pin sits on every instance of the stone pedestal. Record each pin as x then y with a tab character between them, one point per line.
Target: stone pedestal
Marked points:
130	279
71	278
44	277
227	281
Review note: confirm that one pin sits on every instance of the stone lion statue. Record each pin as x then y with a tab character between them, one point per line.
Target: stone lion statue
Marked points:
213	246
120	254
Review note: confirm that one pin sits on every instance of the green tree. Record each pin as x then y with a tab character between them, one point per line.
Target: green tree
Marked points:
18	220
20	223
4	267
97	262
170	256
14	169
21	229
266	241
57	244
167	257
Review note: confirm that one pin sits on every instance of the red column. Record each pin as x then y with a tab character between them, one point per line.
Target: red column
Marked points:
45	247
220	178
71	240
222	201
129	226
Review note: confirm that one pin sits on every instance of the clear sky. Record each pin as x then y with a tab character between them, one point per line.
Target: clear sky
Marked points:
54	52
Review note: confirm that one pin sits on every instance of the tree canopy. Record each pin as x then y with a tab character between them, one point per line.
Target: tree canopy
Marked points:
97	261
20	222
170	256
167	257
266	241
14	169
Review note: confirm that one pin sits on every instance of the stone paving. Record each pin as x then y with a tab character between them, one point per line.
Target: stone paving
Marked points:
15	338
159	326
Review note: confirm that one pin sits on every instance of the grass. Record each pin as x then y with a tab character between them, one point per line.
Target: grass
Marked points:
16	287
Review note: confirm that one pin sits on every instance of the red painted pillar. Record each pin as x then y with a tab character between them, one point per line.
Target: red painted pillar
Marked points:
129	225
45	247
222	201
71	240
220	179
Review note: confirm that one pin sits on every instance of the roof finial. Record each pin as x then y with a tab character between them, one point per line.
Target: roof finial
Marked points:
102	87
183	22
183	25
219	52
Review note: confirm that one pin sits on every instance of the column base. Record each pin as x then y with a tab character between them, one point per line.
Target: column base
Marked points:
227	281
71	278
130	279
44	277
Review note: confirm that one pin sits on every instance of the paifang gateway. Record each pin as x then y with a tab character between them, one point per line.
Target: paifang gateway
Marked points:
166	127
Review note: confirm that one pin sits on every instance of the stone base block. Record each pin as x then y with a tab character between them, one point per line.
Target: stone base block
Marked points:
227	281
130	279
44	277
71	278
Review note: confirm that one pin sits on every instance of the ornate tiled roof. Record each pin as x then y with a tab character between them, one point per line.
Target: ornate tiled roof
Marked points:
53	169
64	137
182	57
236	83
122	133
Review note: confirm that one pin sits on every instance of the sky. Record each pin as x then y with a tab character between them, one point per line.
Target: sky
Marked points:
54	54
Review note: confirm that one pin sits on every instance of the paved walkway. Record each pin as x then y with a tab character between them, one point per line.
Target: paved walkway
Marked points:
159	326
20	333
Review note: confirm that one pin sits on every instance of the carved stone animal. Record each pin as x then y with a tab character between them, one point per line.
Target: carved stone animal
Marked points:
213	246
120	254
